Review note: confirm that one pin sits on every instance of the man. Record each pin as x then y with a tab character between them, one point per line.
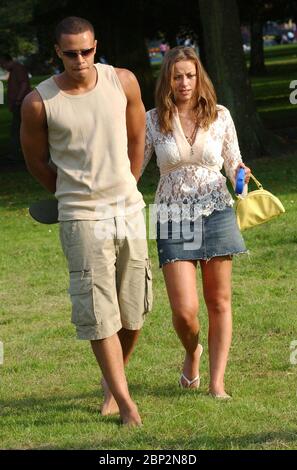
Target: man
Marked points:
91	120
18	87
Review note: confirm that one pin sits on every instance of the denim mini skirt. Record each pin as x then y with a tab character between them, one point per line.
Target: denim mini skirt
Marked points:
208	236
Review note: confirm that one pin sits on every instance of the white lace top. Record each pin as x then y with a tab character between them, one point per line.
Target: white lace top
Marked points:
191	182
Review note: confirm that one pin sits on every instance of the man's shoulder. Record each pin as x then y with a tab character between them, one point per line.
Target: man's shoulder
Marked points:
33	111
110	69
128	82
33	102
124	74
47	88
44	83
101	66
31	98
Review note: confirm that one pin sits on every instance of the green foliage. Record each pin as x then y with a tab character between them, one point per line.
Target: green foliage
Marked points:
16	32
271	92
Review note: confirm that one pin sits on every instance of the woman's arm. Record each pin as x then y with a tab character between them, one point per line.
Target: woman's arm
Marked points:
231	152
149	146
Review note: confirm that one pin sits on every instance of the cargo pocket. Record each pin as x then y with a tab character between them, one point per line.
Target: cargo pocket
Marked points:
148	296
81	294
69	235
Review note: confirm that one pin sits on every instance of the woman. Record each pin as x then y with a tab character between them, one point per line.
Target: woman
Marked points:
193	138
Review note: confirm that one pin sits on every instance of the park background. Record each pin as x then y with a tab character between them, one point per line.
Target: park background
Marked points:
49	382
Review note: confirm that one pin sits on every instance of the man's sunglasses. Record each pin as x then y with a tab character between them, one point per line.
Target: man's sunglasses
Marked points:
75	54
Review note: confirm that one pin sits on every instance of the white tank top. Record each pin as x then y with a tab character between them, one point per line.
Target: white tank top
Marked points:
87	138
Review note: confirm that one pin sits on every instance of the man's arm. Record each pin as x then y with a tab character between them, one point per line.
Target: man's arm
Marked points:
34	140
135	120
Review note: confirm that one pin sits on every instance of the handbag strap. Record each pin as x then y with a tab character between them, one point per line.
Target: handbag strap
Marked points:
258	184
256	181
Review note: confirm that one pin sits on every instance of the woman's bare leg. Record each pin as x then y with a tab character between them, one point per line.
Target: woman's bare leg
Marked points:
216	275
180	279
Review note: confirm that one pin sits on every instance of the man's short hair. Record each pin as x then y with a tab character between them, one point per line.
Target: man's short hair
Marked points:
5	57
72	25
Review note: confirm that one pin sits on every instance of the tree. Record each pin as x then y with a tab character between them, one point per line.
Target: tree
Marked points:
121	39
290	10
168	18
256	13
16	32
118	27
257	66
225	63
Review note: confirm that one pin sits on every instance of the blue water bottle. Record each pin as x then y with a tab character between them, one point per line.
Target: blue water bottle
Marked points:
240	181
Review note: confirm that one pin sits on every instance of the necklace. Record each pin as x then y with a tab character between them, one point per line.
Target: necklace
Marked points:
191	138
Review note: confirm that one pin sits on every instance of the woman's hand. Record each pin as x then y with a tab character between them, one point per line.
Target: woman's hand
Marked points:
247	172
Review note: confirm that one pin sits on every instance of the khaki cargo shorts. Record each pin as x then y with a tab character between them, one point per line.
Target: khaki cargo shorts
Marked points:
110	274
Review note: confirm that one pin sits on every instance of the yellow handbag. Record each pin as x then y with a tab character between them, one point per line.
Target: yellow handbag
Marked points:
257	207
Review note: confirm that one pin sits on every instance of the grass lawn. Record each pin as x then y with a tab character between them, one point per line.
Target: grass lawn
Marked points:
272	91
50	393
49	381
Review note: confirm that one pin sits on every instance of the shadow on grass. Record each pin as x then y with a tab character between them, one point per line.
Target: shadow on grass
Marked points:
47	406
281	439
203	441
83	410
18	407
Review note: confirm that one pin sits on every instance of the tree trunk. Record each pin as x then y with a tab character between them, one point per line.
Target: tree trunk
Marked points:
199	31
257	66
120	30
225	63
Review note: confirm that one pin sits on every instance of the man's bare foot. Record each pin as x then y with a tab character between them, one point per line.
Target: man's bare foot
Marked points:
131	417
109	406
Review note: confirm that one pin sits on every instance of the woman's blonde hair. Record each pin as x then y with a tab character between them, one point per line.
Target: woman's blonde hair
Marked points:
205	96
